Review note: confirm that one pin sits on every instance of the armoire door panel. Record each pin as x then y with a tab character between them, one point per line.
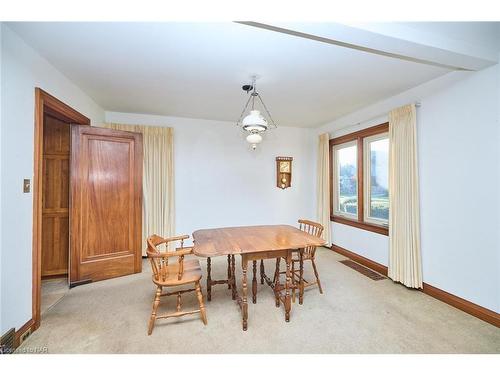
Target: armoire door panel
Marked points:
106	203
55	197
56	181
55	238
107	268
110	197
59	139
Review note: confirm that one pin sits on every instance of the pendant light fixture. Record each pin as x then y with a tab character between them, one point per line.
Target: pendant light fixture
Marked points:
254	123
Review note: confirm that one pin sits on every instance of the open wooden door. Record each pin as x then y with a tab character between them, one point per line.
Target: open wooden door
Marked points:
105	204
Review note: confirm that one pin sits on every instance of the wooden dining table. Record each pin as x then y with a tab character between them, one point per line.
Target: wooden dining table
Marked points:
255	243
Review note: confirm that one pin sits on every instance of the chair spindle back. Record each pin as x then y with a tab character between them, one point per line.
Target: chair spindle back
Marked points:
159	259
314	229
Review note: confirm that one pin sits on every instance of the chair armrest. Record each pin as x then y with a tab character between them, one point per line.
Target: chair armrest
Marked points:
159	260
177	238
181	251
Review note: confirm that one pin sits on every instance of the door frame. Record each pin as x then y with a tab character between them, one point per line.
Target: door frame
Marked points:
44	103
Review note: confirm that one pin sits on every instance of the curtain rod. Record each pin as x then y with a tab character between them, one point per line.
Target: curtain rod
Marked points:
417	105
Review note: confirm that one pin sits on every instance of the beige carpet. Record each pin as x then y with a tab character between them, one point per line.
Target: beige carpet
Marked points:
354	315
52	291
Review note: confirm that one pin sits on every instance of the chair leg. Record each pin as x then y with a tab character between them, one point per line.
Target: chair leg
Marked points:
209	279
200	301
156	302
317	276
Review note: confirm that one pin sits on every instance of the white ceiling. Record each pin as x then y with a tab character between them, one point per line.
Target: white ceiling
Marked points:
486	34
196	69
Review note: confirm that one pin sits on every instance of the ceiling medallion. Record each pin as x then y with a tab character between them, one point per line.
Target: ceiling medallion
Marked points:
254	123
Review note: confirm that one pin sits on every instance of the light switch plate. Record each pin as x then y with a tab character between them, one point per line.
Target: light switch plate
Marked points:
26	185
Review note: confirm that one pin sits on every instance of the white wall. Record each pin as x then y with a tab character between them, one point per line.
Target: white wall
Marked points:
459	149
23	70
459	157
220	181
371	245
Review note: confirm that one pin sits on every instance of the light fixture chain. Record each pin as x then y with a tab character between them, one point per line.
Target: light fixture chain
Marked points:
243	112
254	123
267	111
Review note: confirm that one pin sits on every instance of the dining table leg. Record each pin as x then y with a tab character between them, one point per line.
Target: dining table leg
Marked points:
209	279
229	272
288	282
244	304
254	282
262	271
301	275
276	282
233	278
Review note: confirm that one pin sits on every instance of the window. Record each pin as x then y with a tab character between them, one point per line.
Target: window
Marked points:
376	149
346	179
360	179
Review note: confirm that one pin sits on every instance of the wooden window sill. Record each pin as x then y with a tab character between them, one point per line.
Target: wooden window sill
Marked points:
361	225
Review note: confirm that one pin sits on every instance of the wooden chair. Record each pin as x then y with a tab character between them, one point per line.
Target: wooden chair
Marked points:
314	229
174	274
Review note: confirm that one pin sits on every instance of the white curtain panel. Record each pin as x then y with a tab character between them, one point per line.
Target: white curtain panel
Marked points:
158	213
323	186
405	263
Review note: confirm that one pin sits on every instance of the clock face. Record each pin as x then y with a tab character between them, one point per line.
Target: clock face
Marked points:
285	167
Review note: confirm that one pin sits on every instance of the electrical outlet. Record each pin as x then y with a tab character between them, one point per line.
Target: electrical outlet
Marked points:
24	336
26	185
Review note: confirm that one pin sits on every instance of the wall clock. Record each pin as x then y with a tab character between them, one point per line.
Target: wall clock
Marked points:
284	172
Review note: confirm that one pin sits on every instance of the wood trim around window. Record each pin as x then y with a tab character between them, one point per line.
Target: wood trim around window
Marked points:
374	130
361	225
358	137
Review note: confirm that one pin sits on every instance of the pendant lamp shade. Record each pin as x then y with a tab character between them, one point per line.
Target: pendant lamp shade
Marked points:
254	122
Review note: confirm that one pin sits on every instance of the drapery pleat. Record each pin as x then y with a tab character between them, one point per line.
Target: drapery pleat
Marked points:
158	213
323	186
405	263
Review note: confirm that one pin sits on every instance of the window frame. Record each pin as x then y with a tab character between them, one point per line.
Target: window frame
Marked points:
358	137
367	177
335	188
